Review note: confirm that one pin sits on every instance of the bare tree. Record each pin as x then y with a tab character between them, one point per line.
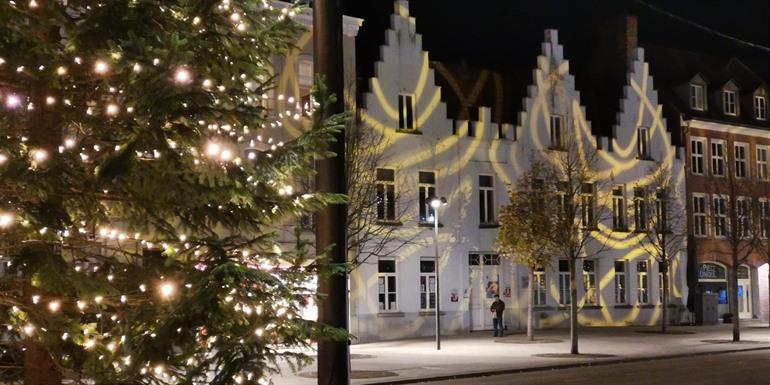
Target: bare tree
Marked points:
574	163
731	216
666	235
526	226
372	230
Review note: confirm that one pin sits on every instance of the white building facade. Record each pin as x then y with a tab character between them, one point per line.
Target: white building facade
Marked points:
471	163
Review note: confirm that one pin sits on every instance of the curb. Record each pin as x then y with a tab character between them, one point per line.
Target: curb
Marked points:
560	366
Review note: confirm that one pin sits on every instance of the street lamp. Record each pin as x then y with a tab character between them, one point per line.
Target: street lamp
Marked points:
437	203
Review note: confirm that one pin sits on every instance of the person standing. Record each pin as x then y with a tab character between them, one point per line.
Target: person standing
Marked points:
497	309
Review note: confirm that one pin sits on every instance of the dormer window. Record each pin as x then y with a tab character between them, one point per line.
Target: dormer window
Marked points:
697	97
760	107
406	112
729	102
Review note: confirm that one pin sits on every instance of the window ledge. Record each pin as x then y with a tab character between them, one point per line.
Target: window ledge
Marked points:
543	308
429	224
621	306
622	230
592	307
430	313
408	131
389	223
646	306
563	307
591	228
489	225
641	231
648	158
395	314
556	148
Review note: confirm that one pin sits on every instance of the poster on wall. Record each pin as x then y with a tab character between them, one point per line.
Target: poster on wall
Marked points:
507	291
525	282
453	297
492	289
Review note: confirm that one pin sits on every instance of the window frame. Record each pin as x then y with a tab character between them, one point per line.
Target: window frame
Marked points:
742	163
698	99
425	190
590	288
701	222
743	215
619	220
719	215
700	157
760	107
621	290
641	219
730	102
487	201
588	205
384	276
643	282
718	162
406	112
764	217
564	283
763	165
386	196
427	290
643	143
556	132
539	288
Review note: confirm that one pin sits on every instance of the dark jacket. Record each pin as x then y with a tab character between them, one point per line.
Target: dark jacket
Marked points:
498	307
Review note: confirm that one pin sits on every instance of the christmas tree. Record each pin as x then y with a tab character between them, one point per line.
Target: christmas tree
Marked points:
136	229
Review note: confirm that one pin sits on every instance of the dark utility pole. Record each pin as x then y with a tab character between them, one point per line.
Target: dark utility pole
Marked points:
333	356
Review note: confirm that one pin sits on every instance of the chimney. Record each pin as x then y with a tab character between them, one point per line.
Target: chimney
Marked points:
626	38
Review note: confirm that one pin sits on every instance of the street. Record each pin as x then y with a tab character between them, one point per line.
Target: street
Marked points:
717	369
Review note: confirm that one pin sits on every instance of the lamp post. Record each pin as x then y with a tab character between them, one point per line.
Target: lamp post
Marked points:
437	203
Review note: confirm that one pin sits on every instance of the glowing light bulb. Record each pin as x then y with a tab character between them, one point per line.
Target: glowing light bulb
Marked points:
12	101
61	71
39	155
100	67
50	100
112	109
137	67
3	158
167	289
235	17
29	329
6	220
54	306
33	4
182	75
207	83
213	149
226	155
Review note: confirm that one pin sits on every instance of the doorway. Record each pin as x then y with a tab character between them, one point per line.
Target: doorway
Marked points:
484	284
744	293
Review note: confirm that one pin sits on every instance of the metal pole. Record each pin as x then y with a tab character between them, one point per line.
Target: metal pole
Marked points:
330	230
438	296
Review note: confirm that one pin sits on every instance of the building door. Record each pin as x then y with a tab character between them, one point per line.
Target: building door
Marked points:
744	292
484	285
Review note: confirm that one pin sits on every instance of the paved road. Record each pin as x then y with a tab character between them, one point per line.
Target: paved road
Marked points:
748	368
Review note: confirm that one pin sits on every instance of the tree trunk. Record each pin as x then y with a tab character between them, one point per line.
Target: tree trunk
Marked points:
573	321
530	305
733	295
664	321
39	367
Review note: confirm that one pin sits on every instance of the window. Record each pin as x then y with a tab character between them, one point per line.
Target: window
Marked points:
620	282
386	281
538	288
697	147
699	215
564	282
764	218
486	200
427	284
760	107
640	210
587	205
660	287
741	170
427	191
762	163
719	205
718	158
660	210
697	99
643	142
642	283
743	214
589	282
618	208
305	73
405	112
386	194
728	102
557	132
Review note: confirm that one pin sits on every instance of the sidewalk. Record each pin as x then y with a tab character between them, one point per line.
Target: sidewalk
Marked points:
479	353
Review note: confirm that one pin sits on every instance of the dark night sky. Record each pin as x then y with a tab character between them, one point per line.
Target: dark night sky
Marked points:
504	34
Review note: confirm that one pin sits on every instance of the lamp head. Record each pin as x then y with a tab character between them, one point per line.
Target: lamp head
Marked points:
437	202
